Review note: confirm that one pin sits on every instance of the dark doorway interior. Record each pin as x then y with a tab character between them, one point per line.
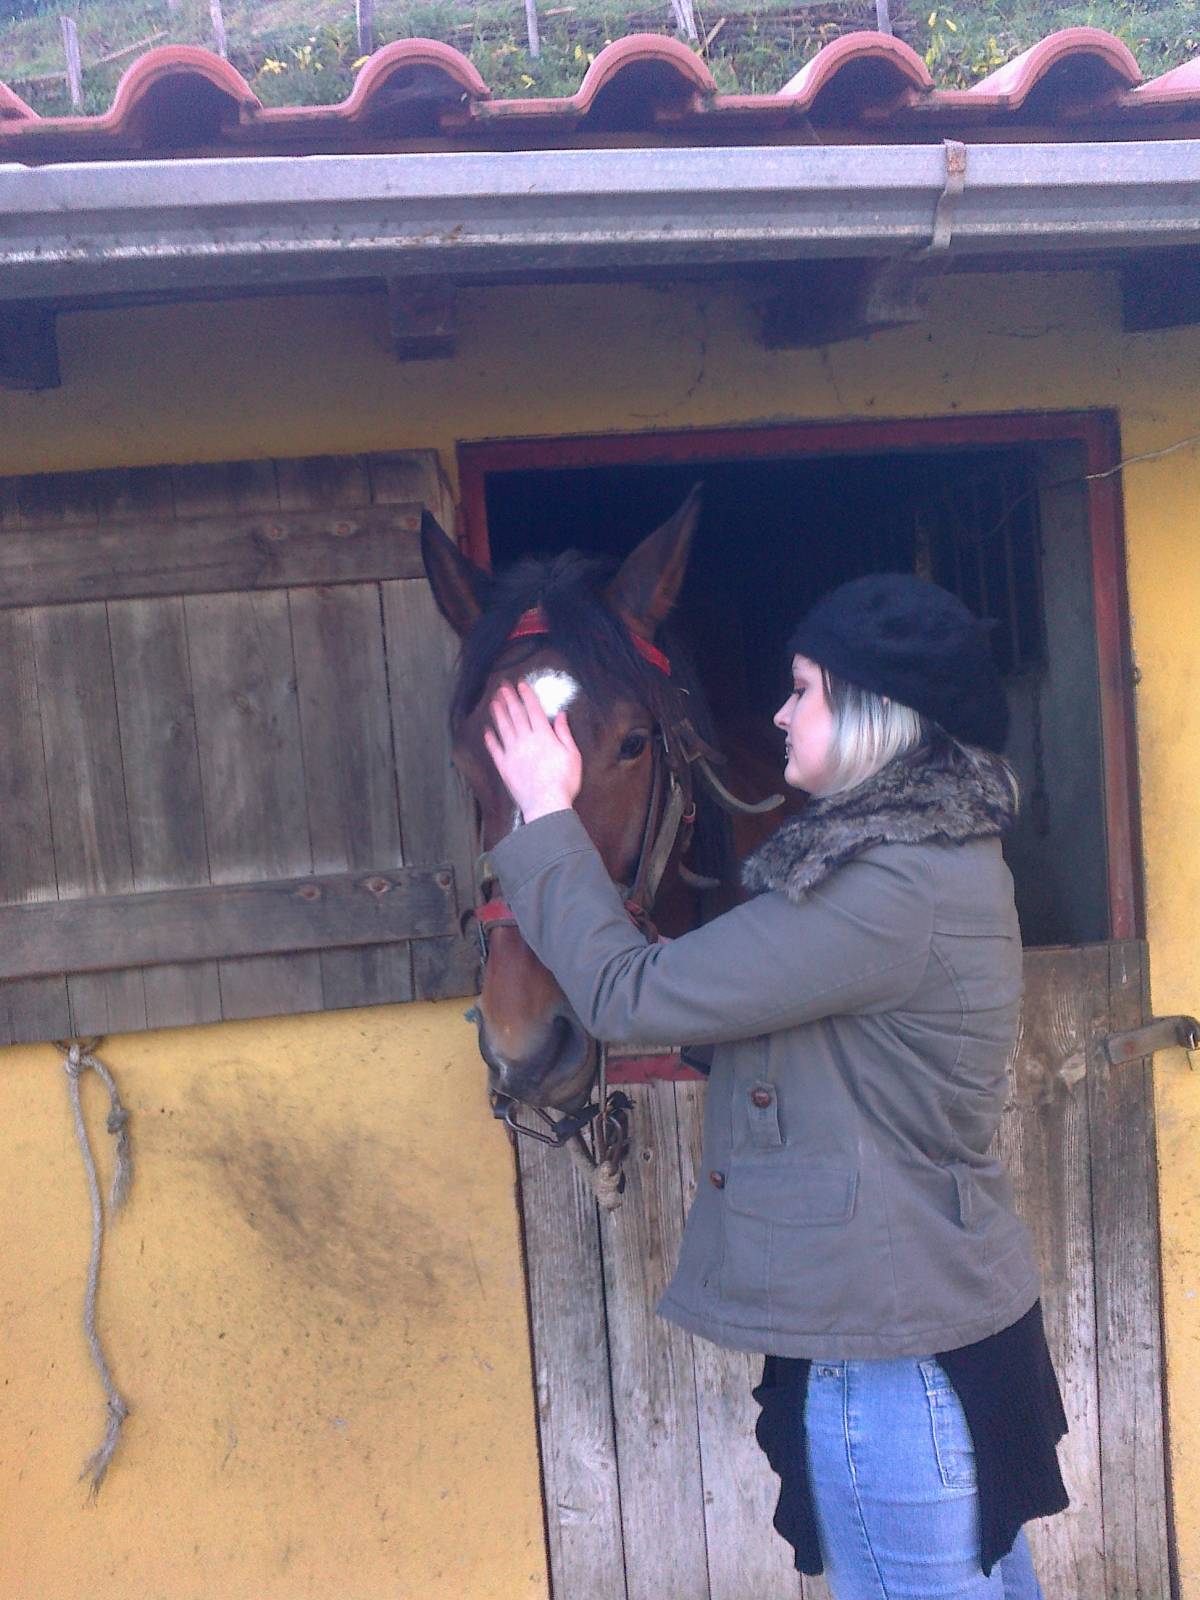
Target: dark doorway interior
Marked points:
1004	527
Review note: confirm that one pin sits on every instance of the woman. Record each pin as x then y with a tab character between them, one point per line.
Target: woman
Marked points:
862	1009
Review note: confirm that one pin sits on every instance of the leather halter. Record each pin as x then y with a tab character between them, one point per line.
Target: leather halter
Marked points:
533	622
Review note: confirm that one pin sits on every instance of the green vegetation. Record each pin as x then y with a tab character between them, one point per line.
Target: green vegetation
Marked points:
305	51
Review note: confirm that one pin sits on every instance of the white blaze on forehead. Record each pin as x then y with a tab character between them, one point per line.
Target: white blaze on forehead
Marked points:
554	689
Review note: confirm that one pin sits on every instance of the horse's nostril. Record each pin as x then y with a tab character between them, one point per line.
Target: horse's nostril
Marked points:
553	1069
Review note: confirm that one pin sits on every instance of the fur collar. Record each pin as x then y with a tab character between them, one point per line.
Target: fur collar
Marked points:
913	800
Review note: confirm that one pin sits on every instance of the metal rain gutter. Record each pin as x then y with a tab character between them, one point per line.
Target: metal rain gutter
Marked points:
227	223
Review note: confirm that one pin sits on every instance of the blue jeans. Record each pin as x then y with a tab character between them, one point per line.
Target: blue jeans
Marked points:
892	1473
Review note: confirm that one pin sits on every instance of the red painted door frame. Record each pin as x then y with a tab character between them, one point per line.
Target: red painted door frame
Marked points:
1096	431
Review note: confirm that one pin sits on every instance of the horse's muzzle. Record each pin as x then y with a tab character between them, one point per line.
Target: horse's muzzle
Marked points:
553	1070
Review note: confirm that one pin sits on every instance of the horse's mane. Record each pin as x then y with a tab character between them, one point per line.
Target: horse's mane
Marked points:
570	589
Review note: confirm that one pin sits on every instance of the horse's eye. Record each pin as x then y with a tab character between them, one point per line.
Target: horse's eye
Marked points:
632	746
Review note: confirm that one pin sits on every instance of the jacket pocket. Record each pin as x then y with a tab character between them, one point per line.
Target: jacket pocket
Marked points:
812	1192
784	1250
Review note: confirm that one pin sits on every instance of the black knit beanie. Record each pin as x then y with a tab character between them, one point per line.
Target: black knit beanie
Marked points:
914	642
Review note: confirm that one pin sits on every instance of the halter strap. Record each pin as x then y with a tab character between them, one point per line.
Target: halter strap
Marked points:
533	622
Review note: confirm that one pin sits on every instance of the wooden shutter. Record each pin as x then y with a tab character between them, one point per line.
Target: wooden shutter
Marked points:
225	785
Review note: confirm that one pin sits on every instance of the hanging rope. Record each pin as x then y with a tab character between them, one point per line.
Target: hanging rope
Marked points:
80	1059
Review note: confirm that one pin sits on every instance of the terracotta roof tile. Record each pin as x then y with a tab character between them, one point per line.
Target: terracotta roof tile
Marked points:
1070	51
853	51
1179	87
406	59
861	86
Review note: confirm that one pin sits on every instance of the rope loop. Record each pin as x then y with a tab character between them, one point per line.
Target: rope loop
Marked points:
79	1057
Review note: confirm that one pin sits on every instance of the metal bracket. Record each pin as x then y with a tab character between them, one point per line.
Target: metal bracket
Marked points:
1160	1033
956	182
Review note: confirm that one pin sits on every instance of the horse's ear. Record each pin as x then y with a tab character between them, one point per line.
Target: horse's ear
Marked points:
459	587
648	584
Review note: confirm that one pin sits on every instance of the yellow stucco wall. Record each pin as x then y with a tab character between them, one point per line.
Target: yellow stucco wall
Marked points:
313	1302
411	1417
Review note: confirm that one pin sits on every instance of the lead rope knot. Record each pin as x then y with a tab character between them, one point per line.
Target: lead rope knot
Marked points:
608	1184
80	1058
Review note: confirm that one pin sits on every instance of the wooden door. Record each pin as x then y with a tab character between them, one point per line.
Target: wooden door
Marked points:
654	1486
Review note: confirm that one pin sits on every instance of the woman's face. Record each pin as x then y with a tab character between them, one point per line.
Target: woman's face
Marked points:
807	723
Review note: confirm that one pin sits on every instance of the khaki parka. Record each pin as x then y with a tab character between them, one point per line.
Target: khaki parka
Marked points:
848	1205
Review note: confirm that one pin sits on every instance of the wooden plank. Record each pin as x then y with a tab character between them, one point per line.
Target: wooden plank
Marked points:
1128	1299
256	821
206	555
412	476
129	494
228	489
349	771
658	1452
10	506
70	35
745	1555
574	1393
88	818
314	912
435	809
218	27
223	488
267	984
1044	1139
57	499
152	679
35	1008
448	967
364	17
332	482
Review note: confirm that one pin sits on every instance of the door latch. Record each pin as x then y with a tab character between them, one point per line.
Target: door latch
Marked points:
1160	1033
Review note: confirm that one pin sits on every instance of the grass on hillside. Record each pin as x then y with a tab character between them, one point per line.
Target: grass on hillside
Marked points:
305	51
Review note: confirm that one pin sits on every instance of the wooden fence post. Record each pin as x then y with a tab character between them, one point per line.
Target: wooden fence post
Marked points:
218	27
364	16
685	18
74	65
531	27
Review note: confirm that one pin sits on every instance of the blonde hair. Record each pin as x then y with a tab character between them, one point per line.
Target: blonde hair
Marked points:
870	730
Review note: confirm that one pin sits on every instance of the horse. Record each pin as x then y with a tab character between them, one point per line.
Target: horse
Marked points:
598	640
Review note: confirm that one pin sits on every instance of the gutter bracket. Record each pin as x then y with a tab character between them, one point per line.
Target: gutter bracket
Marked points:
956	182
832	301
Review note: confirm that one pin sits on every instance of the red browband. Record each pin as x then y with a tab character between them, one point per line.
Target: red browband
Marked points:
532	622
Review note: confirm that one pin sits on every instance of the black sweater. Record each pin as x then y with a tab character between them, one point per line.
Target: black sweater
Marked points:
1010	1395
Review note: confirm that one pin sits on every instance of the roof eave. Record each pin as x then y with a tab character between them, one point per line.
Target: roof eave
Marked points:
130	227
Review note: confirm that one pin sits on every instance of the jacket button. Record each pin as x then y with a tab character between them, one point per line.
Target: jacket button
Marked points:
717	1179
761	1097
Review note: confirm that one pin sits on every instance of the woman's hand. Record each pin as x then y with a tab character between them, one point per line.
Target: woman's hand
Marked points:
538	760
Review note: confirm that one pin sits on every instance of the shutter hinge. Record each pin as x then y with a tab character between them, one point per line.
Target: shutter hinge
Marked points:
1160	1033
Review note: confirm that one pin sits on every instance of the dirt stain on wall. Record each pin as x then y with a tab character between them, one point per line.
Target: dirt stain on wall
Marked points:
331	1207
